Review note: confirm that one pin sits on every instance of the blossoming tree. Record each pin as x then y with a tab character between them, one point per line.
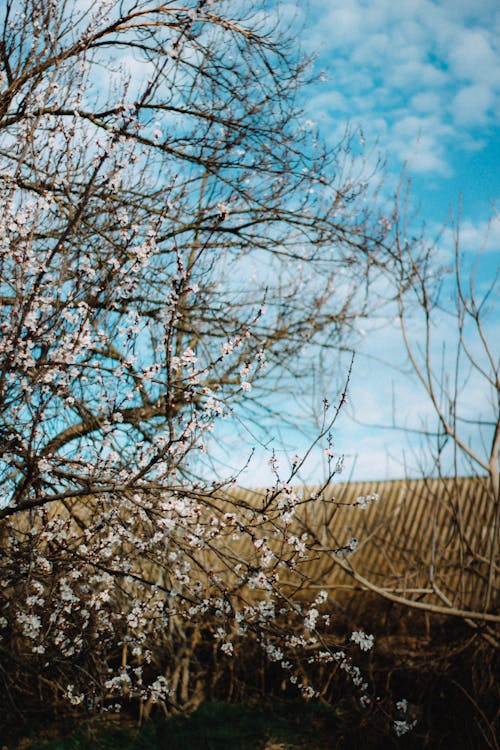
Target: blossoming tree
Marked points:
160	188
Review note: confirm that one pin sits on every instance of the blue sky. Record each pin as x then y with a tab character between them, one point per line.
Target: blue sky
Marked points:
421	79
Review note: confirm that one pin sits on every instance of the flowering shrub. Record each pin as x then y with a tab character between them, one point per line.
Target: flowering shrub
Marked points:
94	589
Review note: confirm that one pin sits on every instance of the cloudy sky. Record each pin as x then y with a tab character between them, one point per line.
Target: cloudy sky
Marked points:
421	79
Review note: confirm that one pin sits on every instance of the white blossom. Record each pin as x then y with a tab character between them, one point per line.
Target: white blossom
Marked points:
361	639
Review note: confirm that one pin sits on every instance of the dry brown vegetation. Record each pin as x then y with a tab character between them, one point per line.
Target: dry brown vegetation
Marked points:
420	650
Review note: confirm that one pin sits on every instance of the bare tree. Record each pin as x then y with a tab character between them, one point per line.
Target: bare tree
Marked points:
448	326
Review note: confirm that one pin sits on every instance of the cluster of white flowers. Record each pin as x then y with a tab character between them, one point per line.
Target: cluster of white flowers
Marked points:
223	210
74	698
259	581
404	724
298	544
353	544
354	672
363	501
31	624
322	597
311	619
348	549
403	727
363	640
227	648
158	690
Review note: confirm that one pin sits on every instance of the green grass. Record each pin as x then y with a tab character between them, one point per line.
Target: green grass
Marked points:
214	726
271	725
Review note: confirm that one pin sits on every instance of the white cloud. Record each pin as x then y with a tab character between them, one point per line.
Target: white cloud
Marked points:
420	141
472	58
434	60
426	102
472	105
477	237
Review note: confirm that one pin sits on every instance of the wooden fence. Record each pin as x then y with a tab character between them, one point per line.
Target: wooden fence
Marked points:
429	540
